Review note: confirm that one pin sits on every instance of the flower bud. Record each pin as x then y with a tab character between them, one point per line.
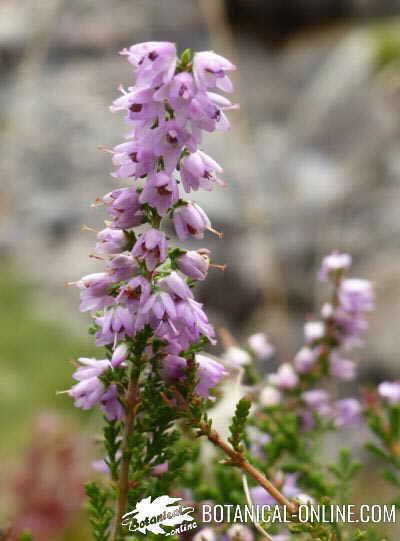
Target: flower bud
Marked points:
332	264
260	345
285	377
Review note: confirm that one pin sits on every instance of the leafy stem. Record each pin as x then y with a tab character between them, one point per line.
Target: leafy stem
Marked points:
132	403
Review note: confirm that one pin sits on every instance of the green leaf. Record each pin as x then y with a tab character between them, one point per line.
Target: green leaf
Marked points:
377	451
100	515
391	478
238	425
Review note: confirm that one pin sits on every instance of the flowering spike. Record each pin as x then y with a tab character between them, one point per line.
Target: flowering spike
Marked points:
143	306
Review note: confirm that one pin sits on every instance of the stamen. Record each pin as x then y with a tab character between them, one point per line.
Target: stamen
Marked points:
85	227
216	232
99	257
98	203
219	267
105	149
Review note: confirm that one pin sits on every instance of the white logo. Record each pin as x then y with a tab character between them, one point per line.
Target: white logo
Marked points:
150	516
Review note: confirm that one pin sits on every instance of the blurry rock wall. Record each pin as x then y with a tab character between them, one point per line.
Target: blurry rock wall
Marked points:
312	161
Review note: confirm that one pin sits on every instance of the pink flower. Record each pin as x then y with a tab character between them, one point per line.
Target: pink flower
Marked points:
285	377
356	295
152	247
239	532
110	241
317	399
236	357
314	330
90	390
122	267
159	469
119	355
343	369
133	159
161	305
95	291
269	396
114	325
110	404
332	264
347	412
209	371
305	359
179	92
160	191
194	263
134	294
169	139
198	170
205	534
190	220
260	346
390	390
154	62
210	71
176	286
124	207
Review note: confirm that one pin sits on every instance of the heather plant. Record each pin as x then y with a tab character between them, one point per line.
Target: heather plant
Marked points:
155	385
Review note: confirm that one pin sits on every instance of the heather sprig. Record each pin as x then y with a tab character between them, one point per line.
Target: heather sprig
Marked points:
154	384
292	409
143	307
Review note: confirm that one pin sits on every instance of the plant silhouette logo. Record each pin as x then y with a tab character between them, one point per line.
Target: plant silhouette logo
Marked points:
151	516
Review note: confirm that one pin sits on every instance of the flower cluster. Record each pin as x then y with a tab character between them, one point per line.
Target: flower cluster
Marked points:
327	342
294	405
147	283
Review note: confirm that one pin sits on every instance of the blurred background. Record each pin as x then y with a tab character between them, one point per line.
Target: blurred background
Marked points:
312	164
